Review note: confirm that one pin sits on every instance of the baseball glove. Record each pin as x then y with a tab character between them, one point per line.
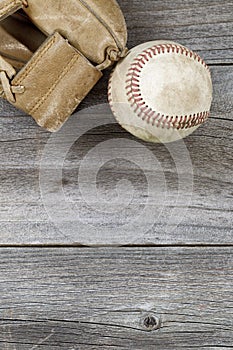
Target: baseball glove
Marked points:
48	79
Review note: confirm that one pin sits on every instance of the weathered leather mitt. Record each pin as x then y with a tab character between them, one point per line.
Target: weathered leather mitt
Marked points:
49	78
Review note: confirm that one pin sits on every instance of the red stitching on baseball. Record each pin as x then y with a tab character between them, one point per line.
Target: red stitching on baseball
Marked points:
134	96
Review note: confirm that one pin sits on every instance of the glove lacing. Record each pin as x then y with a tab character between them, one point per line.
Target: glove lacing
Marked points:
7	72
112	55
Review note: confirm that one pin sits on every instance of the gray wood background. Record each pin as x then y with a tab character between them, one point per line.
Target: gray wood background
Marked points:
171	287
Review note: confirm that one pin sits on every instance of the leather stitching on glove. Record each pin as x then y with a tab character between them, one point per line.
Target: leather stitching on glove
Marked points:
9	7
73	60
34	61
121	48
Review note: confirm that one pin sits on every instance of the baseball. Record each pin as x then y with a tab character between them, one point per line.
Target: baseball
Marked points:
161	91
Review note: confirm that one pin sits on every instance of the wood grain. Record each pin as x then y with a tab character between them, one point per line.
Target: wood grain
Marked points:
149	297
206	27
208	220
92	298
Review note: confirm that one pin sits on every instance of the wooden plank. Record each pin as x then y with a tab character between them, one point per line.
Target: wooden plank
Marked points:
208	220
91	298
205	27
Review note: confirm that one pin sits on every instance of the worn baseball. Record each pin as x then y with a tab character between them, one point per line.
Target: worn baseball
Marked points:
161	91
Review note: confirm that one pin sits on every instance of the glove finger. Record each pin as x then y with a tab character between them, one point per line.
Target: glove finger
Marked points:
92	27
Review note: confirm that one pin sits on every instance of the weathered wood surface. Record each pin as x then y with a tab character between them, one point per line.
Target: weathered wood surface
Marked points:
99	298
205	27
80	298
209	219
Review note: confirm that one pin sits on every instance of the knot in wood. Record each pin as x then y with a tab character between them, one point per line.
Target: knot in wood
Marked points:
151	323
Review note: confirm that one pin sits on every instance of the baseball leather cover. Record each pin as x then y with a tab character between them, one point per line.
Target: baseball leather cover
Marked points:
56	74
